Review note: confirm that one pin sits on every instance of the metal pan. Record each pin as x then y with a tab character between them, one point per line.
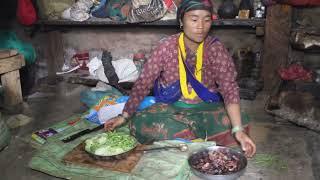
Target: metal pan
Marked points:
120	156
112	157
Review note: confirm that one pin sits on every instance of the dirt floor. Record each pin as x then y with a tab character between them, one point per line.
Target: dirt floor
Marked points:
291	151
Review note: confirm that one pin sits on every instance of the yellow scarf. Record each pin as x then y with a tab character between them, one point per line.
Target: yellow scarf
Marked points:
182	70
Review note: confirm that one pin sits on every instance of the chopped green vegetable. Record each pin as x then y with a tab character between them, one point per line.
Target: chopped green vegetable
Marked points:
110	143
270	161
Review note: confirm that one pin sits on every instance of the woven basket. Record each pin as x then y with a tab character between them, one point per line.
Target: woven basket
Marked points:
4	134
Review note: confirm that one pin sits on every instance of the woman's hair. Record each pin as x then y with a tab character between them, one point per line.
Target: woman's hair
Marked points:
188	5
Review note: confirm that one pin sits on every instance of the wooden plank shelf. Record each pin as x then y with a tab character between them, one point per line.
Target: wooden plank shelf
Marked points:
106	22
307	30
308	33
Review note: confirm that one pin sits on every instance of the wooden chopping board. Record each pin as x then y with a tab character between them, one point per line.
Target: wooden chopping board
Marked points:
79	156
7	53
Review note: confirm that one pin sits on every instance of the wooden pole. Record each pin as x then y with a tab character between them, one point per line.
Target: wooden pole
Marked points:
276	44
12	88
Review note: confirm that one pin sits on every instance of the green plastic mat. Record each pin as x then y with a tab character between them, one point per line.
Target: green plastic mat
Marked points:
168	164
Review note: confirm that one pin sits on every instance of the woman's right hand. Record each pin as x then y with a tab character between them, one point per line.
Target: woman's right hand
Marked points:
114	123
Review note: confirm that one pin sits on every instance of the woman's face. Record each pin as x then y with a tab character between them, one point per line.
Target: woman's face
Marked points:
196	25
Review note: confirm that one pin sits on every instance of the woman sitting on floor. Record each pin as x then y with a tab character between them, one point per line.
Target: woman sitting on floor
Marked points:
189	72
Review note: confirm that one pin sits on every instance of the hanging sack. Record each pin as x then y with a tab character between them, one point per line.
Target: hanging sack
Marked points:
52	9
26	12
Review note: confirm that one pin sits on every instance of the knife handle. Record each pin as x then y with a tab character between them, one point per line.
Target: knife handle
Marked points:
75	136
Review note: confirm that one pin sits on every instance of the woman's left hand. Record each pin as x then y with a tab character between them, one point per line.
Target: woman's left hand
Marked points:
247	144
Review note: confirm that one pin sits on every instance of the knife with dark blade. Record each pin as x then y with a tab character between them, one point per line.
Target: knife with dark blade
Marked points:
81	133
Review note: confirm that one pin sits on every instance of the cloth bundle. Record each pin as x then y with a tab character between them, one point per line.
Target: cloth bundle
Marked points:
79	11
114	9
147	10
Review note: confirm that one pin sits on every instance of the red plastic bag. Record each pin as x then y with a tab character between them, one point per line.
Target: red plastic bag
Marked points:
82	58
26	12
295	72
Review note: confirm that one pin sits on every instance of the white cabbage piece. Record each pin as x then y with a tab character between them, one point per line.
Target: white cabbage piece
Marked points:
102	151
102	140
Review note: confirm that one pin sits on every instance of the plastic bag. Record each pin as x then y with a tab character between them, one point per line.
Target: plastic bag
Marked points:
117	10
146	102
26	12
91	98
9	40
99	10
111	105
147	10
106	101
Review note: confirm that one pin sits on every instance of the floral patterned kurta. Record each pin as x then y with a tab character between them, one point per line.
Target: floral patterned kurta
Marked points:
218	71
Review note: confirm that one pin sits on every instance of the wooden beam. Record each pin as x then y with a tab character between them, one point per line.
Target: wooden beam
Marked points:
12	88
173	23
11	63
54	55
7	53
260	31
276	44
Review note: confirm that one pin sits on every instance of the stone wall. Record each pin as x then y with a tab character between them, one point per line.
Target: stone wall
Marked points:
123	42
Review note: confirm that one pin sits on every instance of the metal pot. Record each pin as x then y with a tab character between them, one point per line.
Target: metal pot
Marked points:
228	10
230	176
